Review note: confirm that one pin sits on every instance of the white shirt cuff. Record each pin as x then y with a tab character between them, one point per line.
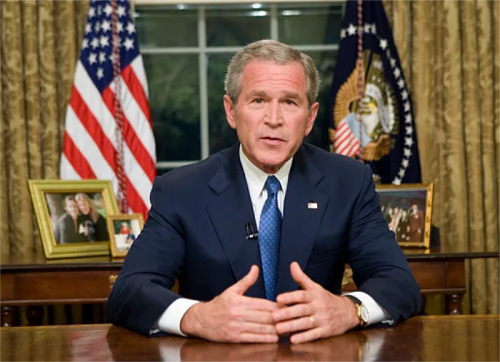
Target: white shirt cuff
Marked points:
376	312
170	320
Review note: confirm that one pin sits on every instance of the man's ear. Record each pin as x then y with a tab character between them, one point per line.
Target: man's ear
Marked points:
311	118
230	109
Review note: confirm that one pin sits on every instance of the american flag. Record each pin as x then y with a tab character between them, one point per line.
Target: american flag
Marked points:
108	131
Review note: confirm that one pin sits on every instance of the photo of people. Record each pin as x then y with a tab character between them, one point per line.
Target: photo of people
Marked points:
126	228
405	210
77	217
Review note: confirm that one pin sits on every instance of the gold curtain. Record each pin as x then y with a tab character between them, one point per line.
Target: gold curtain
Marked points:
39	49
450	55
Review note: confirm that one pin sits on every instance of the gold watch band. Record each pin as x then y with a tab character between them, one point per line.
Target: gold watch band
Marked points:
362	323
358	305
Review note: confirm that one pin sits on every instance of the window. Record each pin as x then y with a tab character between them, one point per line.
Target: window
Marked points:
186	49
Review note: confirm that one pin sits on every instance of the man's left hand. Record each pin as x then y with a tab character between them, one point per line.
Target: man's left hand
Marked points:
313	312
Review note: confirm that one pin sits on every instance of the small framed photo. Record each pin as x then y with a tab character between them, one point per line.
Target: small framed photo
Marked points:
124	230
408	211
71	216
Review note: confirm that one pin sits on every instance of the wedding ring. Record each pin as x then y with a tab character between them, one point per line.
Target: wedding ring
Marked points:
311	318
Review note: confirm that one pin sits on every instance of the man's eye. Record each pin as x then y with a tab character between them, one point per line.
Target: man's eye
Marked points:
258	100
289	102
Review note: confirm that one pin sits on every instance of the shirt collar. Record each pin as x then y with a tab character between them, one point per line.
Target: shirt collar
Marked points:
256	178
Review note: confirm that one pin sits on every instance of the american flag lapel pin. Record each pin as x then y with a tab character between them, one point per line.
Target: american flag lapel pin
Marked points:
312	205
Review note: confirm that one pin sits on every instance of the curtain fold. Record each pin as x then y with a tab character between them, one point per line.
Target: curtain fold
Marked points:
17	204
4	246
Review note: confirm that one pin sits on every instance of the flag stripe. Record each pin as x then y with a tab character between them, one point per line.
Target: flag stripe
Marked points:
133	83
136	117
99	141
342	135
342	130
99	162
345	142
138	67
353	148
345	146
135	201
80	165
67	170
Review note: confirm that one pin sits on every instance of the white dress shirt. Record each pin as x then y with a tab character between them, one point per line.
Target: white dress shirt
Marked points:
256	178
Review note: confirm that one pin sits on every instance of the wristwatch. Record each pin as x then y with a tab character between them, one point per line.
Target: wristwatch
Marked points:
361	311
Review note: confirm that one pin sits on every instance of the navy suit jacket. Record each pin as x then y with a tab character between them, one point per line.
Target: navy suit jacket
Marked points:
195	232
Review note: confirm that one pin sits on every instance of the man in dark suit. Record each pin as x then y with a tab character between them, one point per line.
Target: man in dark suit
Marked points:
314	212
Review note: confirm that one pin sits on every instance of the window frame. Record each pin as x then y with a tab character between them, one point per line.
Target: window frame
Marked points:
202	50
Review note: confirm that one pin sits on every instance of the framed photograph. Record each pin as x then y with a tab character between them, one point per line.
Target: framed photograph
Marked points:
124	230
408	211
71	216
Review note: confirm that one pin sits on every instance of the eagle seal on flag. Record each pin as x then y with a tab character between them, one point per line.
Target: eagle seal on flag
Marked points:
379	119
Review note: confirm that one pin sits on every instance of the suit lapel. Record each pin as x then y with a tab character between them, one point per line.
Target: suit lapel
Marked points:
301	220
229	213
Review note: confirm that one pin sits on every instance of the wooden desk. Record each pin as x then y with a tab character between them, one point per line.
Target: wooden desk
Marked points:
44	282
434	338
41	281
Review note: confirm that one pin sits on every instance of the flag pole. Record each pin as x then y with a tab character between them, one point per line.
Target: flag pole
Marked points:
361	81
118	112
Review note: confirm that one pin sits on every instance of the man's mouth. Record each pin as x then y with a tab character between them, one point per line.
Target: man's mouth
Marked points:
272	140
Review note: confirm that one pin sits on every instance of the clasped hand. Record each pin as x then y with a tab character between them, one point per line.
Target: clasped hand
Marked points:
306	315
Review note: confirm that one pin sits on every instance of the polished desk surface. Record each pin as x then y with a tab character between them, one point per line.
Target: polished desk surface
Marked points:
430	338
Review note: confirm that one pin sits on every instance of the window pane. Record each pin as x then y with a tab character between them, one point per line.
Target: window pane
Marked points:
166	26
309	23
220	134
236	25
173	82
325	62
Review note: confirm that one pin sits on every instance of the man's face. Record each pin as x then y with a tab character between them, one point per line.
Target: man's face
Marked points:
271	116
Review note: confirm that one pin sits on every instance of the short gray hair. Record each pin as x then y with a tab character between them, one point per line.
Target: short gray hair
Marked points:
273	51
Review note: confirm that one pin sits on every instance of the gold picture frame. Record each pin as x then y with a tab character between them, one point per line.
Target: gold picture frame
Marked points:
124	229
71	216
412	203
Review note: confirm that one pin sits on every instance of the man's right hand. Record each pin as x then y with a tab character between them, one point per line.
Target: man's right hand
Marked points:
233	317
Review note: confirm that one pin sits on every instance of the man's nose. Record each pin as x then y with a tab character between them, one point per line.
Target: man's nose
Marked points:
274	114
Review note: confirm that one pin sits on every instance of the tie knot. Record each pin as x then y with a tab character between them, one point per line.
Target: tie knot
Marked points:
272	185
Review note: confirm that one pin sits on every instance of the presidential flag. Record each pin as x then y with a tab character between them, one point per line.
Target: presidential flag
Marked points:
371	106
109	133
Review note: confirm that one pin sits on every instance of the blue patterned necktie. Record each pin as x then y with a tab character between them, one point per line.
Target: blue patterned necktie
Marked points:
269	236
